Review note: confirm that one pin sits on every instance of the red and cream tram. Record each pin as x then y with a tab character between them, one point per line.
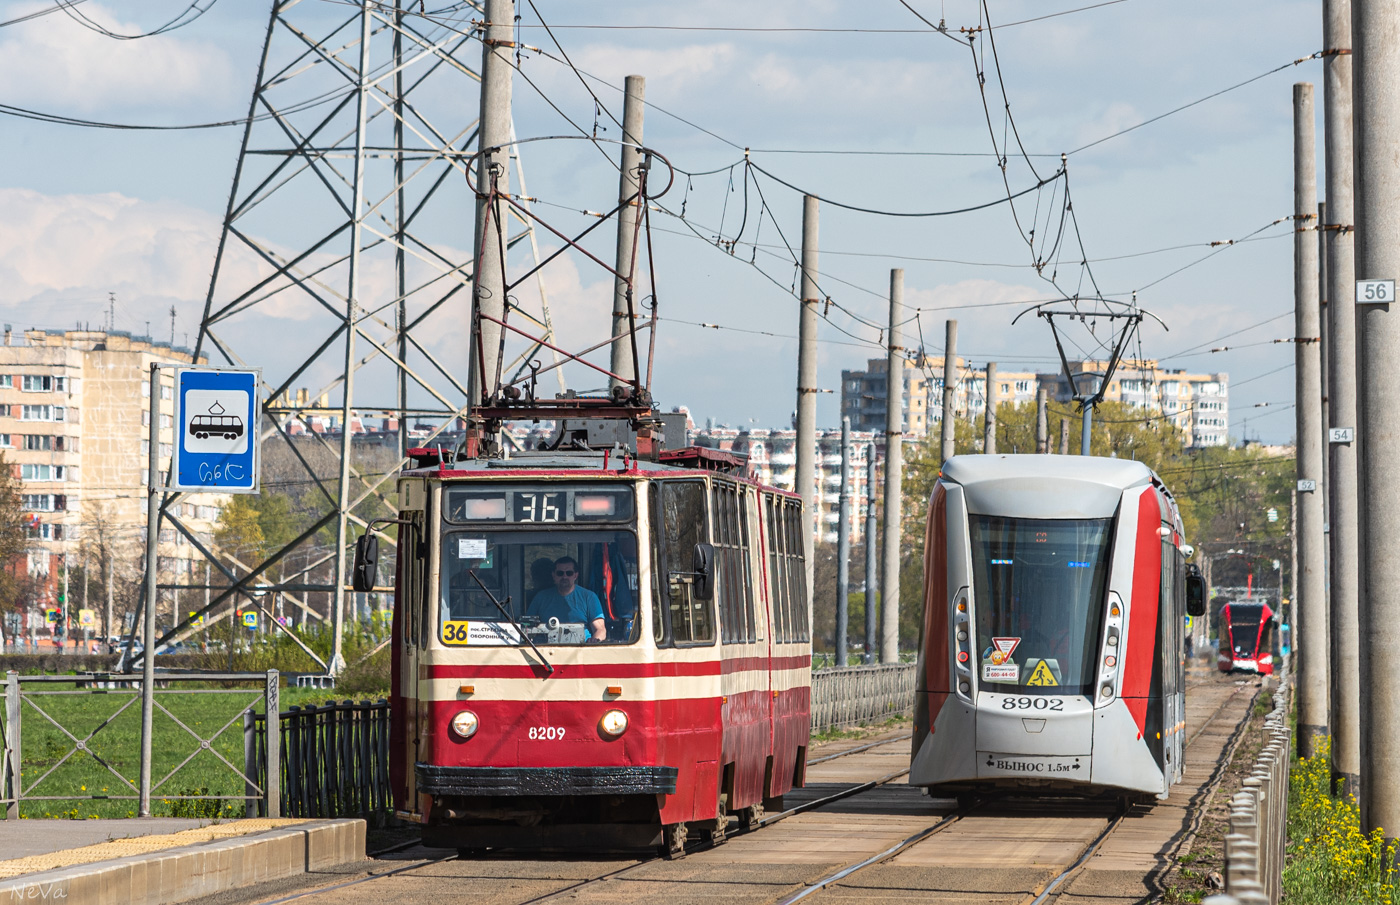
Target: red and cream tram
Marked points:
594	651
1055	590
1247	637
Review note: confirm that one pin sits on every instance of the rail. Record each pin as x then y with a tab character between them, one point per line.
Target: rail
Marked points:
101	735
852	695
1255	843
334	760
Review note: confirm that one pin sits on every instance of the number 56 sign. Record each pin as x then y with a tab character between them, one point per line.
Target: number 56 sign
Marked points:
1375	292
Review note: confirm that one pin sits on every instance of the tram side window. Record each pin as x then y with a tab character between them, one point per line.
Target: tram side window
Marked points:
682	525
731	555
796	572
777	569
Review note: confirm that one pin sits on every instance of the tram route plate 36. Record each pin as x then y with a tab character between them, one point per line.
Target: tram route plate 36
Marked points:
1031	765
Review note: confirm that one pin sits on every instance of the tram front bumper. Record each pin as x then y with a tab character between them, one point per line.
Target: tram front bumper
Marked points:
512	781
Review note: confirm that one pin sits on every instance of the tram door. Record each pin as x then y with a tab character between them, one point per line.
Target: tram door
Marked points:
412	626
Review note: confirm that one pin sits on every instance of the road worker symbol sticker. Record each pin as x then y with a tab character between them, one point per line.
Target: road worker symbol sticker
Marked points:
1042	675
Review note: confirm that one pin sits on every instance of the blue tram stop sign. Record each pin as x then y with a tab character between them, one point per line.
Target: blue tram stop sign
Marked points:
216	425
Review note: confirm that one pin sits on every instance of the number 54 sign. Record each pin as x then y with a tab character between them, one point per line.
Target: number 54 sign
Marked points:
1375	292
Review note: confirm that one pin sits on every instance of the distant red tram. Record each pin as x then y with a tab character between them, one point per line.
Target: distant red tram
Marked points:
1247	637
660	687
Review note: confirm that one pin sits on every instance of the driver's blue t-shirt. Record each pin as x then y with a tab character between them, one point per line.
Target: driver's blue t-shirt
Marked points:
581	605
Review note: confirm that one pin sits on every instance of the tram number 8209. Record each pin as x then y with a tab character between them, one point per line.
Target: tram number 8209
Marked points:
546	733
1054	704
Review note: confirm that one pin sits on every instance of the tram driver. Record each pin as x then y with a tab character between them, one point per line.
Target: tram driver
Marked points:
567	601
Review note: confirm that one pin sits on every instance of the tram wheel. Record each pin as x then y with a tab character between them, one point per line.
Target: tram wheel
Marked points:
473	852
673	841
751	817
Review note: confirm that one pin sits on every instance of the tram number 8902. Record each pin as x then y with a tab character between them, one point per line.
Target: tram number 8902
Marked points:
1052	704
546	733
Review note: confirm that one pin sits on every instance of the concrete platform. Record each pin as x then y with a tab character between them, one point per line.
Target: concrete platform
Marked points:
159	862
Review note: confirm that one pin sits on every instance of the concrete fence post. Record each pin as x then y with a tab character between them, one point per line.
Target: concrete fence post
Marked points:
273	787
15	787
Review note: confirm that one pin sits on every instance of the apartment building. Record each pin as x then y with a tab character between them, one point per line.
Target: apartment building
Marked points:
772	457
1197	403
74	424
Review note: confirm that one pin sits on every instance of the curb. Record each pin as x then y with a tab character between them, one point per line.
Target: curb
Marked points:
195	871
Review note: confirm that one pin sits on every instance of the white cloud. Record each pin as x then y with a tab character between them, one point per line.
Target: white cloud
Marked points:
54	62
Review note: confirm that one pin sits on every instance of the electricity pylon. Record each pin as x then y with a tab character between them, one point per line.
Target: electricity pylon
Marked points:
347	238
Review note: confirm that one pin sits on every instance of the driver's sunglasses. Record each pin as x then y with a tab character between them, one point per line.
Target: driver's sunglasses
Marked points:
562	573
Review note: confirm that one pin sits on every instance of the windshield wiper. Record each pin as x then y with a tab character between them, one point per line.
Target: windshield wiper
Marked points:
518	627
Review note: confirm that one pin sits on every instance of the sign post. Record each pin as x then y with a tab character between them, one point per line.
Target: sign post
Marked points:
214	448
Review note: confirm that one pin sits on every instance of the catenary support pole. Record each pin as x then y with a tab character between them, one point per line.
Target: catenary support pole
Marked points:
1042	421
488	244
843	549
1064	436
633	105
806	471
1311	626
148	658
989	412
1343	534
872	545
352	320
1086	427
1376	133
948	429
894	469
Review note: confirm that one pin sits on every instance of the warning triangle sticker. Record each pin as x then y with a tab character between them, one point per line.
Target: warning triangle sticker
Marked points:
1042	676
1005	645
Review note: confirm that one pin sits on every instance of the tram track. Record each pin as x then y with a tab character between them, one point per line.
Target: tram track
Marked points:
621	871
1043	891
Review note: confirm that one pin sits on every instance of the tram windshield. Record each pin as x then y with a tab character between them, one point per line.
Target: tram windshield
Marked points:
1038	587
1244	620
565	586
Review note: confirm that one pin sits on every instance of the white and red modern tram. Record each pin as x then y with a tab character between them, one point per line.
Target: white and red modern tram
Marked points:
1055	590
594	651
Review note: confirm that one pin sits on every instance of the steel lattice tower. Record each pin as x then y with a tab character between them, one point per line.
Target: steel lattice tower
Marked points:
349	231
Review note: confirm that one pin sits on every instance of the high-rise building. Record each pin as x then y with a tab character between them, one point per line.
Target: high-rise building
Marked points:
74	426
1197	403
772	457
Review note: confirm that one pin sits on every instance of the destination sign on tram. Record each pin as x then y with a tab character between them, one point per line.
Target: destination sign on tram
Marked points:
550	504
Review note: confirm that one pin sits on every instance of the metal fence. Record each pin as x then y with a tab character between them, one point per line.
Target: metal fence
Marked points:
40	697
1255	844
334	760
853	695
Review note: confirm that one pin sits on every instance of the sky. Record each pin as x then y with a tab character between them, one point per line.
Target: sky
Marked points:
863	105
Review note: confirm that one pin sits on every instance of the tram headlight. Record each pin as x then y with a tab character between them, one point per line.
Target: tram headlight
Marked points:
613	723
1107	691
465	724
964	687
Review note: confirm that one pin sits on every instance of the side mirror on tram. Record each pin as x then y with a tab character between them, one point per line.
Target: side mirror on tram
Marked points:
1195	594
366	573
703	561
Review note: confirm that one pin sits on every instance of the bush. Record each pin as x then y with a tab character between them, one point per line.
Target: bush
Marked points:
1330	860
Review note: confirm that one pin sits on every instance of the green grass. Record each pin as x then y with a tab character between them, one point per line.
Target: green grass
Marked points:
94	789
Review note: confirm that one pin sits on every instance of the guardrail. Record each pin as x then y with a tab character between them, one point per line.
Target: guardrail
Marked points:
1255	843
852	695
75	742
334	760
